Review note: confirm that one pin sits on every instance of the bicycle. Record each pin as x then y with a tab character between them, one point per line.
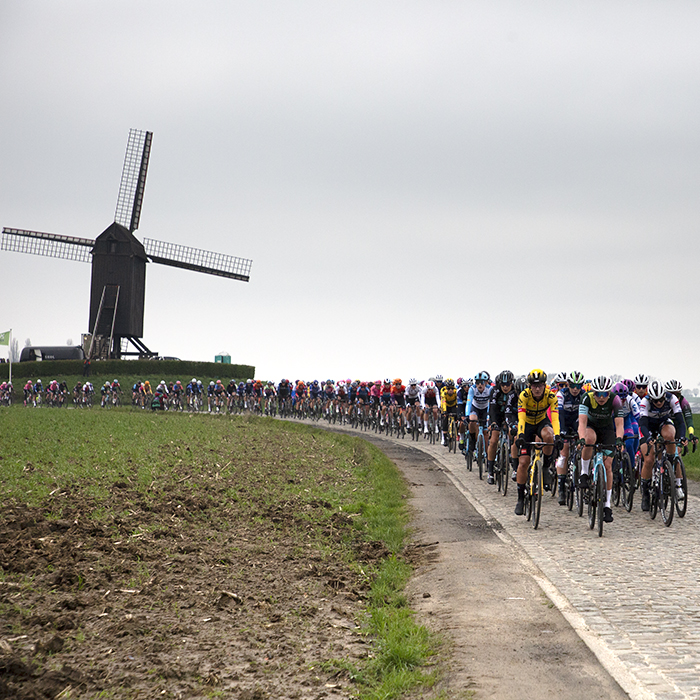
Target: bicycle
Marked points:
503	459
452	433
479	452
662	490
679	466
534	486
623	480
595	496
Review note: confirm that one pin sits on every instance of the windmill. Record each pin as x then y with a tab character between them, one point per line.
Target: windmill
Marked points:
118	284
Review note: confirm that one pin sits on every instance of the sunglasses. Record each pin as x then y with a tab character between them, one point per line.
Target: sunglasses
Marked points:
575	386
602	394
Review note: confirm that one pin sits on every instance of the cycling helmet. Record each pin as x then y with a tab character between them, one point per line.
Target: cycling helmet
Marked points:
559	377
199	382
621	390
341	383
387	381
656	390
378	382
193	380
482	377
674	386
641	380
505	377
536	376
438	377
248	381
602	384
576	378
431	384
363	385
38	381
449	383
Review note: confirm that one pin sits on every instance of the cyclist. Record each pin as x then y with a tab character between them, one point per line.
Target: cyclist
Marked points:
115	389
462	401
448	405
641	382
29	392
630	414
568	401
104	393
534	405
38	390
429	401
398	395
673	386
211	396
413	396
660	414
601	420
503	411
478	405
385	398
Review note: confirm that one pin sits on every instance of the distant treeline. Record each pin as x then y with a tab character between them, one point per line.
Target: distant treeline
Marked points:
55	369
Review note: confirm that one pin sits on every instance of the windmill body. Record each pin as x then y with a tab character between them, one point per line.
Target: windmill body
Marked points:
118	284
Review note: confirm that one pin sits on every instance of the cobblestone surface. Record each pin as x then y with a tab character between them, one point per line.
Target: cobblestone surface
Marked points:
634	593
637	588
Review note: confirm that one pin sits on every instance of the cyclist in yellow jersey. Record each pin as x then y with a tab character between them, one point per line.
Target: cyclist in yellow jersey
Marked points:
538	419
448	404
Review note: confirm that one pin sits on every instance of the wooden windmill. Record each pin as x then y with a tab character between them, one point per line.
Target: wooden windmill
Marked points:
118	285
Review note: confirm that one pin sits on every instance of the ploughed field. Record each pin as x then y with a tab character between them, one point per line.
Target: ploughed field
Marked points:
176	555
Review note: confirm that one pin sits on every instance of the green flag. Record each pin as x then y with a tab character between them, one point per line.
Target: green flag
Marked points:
5	338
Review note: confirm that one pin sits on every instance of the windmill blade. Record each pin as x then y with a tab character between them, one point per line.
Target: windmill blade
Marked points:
198	260
133	182
52	245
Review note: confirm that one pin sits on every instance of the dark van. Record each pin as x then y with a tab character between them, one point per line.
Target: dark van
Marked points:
36	353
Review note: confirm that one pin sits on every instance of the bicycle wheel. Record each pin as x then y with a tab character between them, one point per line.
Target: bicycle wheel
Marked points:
601	498
571	478
536	494
627	481
681	503
580	496
667	495
654	494
617	480
480	455
592	497
498	470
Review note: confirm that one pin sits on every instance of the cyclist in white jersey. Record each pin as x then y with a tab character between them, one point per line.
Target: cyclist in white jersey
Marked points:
478	405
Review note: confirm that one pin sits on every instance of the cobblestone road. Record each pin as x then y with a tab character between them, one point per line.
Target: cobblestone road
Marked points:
633	595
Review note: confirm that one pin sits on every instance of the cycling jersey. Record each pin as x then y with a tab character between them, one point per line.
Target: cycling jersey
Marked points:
478	399
568	405
503	408
448	398
532	411
600	415
652	417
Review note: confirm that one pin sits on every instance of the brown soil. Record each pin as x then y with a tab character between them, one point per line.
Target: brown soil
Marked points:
167	600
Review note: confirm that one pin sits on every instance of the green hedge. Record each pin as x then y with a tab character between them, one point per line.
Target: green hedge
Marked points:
114	368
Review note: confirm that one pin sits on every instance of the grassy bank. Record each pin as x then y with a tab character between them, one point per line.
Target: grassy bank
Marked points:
303	529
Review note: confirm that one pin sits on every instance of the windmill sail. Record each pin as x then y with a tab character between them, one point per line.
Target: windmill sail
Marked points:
133	182
52	245
198	260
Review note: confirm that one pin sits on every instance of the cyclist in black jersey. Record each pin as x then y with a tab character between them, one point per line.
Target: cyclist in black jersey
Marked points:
601	421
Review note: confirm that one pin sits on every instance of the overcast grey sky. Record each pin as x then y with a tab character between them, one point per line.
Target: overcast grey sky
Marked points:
423	187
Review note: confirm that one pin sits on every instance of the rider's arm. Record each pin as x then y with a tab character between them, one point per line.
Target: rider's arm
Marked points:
582	420
554	411
470	397
678	419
